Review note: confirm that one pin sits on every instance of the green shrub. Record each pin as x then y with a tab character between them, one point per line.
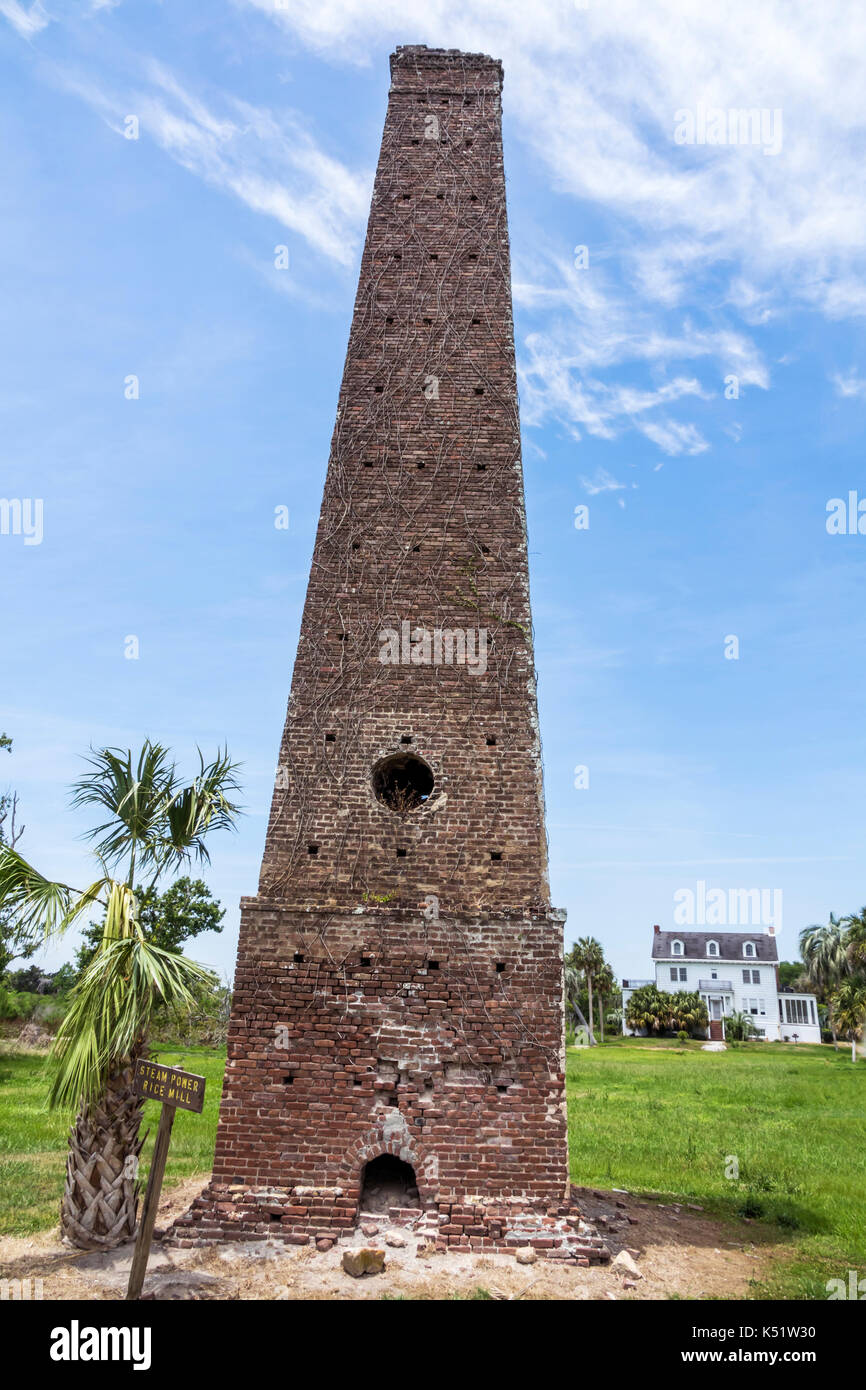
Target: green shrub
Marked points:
18	1003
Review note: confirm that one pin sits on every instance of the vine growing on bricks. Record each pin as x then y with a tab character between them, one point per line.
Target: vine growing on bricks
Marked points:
399	978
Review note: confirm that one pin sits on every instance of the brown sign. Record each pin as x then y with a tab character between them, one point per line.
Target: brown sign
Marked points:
170	1085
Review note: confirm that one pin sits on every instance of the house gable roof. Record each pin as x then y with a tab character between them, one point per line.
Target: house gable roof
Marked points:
730	945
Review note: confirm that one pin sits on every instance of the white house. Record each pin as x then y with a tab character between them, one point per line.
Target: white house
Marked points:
734	972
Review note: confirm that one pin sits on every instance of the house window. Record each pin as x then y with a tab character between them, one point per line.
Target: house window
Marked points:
684	974
676	948
751	977
797	1011
712	948
749	949
675	972
714	974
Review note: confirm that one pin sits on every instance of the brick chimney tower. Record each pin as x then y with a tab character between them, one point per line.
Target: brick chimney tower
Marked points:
396	1040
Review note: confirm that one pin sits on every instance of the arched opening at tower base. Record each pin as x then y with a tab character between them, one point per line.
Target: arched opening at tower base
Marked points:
386	1182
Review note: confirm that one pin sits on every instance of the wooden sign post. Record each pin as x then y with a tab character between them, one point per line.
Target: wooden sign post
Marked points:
177	1090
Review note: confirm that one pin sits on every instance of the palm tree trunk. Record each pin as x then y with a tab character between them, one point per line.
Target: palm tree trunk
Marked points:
853	1048
589	987
579	1012
100	1199
601	1017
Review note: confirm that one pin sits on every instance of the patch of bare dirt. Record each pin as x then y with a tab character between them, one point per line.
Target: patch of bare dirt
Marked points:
678	1250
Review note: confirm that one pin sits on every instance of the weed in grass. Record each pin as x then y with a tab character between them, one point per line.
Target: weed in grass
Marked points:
751	1208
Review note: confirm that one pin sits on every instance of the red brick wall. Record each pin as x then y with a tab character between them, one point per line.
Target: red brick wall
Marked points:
414	318
460	1061
458	1069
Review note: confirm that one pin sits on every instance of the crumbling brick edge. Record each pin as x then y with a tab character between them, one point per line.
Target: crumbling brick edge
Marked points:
303	1215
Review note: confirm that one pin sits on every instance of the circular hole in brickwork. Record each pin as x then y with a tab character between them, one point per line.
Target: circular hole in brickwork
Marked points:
402	782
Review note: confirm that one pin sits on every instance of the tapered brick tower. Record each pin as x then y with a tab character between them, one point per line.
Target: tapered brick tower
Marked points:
396	1037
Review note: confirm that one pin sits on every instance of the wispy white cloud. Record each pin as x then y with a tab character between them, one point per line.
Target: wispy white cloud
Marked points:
674	438
792	226
269	161
593	327
26	22
601	482
850	385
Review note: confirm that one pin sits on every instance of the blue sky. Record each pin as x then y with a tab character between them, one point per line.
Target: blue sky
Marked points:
258	127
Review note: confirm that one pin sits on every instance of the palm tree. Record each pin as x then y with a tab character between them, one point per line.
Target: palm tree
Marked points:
648	1008
587	956
855	938
825	954
849	1007
573	986
739	1026
605	984
153	823
688	1012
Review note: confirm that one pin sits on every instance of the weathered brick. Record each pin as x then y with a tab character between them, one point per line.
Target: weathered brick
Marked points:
415	951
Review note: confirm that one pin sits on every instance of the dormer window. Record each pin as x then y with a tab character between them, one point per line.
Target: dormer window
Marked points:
676	948
712	948
749	950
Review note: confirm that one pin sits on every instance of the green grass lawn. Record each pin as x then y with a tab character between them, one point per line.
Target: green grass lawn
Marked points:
658	1116
645	1115
33	1140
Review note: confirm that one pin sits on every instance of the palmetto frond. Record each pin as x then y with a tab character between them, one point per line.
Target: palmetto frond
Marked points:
855	937
824	952
40	907
849	1007
136	796
587	954
111	1007
201	808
